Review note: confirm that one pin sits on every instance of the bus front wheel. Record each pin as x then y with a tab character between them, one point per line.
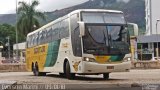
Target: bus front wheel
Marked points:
68	73
106	76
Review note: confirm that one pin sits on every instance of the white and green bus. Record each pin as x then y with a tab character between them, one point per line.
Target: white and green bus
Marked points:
84	42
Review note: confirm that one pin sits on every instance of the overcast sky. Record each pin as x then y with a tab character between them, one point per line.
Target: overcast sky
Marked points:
9	6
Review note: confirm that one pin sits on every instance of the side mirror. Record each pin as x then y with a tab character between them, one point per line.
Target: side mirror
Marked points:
135	27
82	28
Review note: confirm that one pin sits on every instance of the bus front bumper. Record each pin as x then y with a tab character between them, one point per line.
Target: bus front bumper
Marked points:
96	68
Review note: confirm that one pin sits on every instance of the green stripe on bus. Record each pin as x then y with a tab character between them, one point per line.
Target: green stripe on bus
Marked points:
117	58
52	54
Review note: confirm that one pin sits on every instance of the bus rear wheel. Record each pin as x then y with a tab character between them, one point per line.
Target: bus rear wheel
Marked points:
106	76
35	70
68	73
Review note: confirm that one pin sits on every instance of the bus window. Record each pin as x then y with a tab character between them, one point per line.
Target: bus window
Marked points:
74	20
64	30
40	38
44	40
32	40
55	32
28	41
97	17
36	39
76	40
48	35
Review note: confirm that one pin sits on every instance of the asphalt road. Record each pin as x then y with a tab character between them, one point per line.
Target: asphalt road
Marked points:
118	81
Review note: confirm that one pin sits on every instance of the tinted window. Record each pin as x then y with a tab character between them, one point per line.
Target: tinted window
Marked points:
103	17
64	30
49	34
44	36
74	20
40	37
98	33
35	39
29	41
76	40
55	31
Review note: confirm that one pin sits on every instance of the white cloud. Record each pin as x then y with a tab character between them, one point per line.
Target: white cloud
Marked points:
9	6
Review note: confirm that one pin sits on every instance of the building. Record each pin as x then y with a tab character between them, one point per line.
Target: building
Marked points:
148	46
21	51
152	17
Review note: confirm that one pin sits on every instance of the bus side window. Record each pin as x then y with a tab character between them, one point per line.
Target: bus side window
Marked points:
74	20
55	32
61	24
36	39
32	40
40	38
44	37
76	40
28	42
48	35
64	29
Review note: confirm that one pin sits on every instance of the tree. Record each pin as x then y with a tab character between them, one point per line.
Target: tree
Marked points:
5	31
28	17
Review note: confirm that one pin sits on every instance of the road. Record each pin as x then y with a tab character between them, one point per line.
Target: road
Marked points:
125	79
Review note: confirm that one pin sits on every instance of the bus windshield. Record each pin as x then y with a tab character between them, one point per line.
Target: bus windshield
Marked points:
103	17
106	39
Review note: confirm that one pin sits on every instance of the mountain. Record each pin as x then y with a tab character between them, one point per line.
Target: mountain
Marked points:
8	18
134	11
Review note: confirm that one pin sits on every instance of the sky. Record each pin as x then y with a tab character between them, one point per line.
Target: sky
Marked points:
9	6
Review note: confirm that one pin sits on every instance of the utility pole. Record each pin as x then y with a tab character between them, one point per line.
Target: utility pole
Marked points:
9	54
16	34
157	38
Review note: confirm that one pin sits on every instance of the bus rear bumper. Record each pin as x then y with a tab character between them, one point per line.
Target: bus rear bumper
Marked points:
96	68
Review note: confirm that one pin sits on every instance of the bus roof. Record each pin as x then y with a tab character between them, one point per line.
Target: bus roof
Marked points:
95	10
71	13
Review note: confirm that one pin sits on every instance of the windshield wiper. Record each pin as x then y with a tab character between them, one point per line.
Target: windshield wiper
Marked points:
104	38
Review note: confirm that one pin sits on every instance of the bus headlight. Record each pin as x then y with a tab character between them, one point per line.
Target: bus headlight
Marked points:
127	59
89	59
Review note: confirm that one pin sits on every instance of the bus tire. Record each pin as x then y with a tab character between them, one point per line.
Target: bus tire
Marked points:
36	70
62	74
106	76
42	74
68	73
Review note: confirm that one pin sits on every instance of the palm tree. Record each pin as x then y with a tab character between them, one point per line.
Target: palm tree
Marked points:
28	17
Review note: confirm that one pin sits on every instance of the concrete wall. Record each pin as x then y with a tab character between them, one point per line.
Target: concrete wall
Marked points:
13	68
146	65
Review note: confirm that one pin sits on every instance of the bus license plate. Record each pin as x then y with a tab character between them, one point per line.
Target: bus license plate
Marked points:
110	67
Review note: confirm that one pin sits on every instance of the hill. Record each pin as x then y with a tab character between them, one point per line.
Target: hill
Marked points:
134	11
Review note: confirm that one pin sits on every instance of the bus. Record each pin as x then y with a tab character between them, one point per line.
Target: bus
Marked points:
83	42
